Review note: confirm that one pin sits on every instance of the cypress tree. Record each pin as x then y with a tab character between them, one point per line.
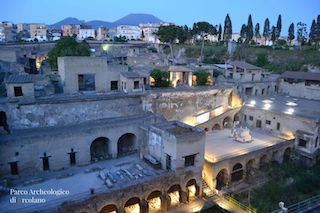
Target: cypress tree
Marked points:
227	31
249	31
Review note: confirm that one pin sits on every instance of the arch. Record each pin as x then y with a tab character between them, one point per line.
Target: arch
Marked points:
3	121
236	117
227	121
287	154
99	149
127	144
154	201
132	205
174	193
192	188
237	172
216	126
206	129
109	208
263	162
250	167
222	179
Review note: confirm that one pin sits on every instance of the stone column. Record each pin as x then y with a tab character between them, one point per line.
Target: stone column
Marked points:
165	202
183	196
144	207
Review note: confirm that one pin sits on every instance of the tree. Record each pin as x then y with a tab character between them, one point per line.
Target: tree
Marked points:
262	60
273	35
160	77
66	46
203	29
142	34
183	34
249	30
266	29
312	34
220	33
227	29
317	31
243	32
279	26
291	33
169	35
257	31
301	32
202	77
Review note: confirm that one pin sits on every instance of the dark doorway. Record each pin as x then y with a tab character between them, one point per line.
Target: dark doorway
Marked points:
127	144
45	162
99	149
237	172
258	124
14	168
3	121
222	179
72	156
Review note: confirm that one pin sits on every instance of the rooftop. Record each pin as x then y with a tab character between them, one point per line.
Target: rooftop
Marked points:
244	65
19	78
119	173
220	145
177	128
301	75
179	69
288	105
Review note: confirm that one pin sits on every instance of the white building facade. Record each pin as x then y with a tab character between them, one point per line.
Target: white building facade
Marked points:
86	33
129	31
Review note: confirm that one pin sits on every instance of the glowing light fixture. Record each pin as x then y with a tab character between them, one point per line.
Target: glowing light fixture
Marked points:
267	106
267	101
252	103
289	111
290	103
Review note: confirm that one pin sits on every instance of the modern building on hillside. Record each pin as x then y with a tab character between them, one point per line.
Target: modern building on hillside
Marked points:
70	29
129	31
86	33
101	33
301	84
38	31
149	31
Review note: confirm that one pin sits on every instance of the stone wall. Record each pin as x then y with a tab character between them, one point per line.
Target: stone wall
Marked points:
300	90
62	112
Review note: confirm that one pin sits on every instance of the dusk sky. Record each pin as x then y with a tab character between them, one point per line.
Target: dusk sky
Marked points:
178	11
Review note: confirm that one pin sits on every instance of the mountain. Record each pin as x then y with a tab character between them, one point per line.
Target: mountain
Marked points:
69	20
136	19
131	19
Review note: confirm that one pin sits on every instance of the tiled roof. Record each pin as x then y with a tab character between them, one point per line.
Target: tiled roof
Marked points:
19	78
132	75
244	65
179	69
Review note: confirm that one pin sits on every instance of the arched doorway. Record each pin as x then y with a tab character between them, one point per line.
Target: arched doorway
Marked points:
192	189
174	193
236	117
111	208
99	149
287	154
250	167
237	172
227	122
132	205
3	121
127	144
206	129
263	163
154	201
216	127
222	179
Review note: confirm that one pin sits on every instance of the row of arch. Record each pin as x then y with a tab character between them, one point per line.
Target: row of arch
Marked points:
157	200
100	148
238	170
227	121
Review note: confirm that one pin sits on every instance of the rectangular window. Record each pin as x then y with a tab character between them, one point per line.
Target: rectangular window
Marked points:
245	117
251	118
14	168
278	126
189	160
45	163
136	84
17	91
302	142
86	82
168	162
114	85
268	122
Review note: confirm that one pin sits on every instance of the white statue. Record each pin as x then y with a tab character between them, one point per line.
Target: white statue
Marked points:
283	209
240	134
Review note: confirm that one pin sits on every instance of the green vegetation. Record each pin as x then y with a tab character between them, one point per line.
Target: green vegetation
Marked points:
160	77
67	46
202	77
290	183
214	209
278	60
